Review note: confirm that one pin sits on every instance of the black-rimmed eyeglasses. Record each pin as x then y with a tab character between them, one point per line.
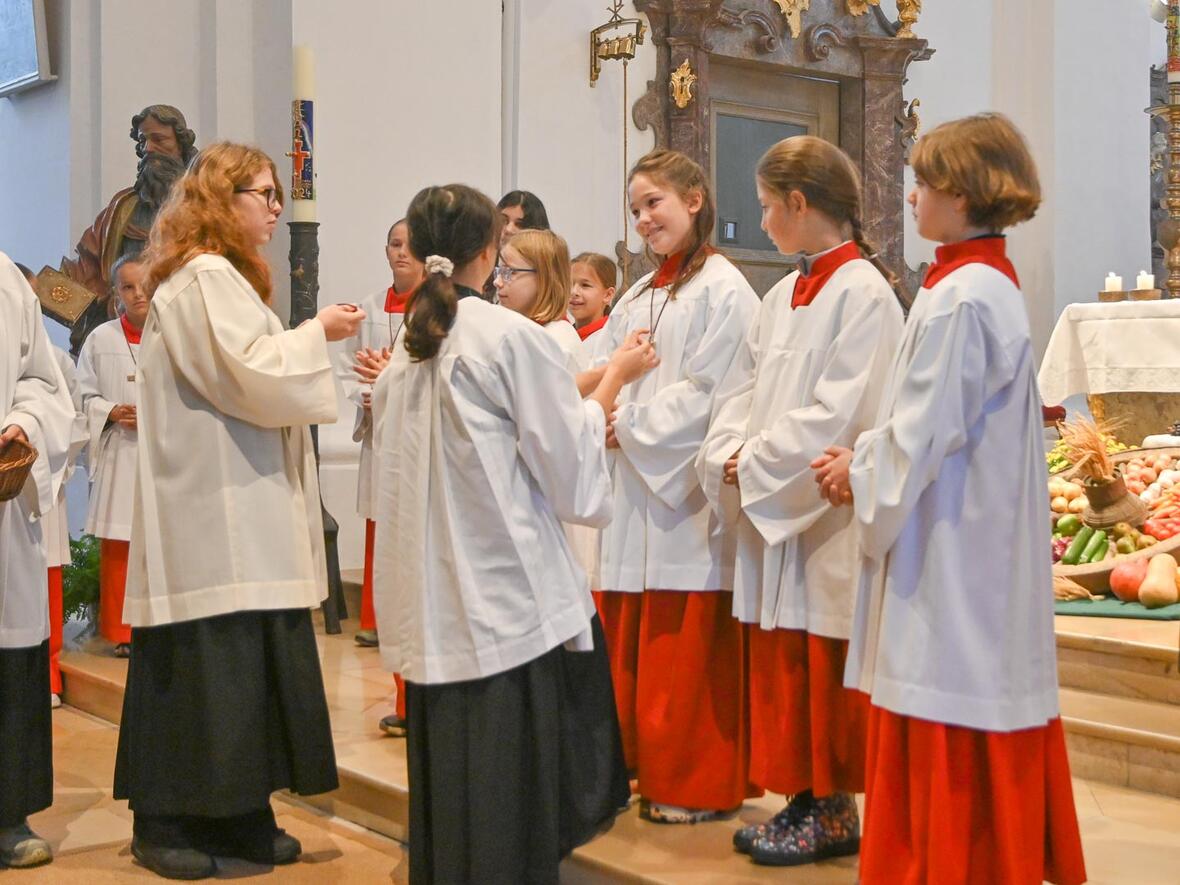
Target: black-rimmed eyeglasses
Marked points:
267	193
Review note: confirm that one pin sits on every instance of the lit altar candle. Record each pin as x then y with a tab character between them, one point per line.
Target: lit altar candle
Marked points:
302	136
1114	283
1145	280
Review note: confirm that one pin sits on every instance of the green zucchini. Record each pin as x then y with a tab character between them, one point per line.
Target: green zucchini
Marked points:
1080	540
1096	540
1100	553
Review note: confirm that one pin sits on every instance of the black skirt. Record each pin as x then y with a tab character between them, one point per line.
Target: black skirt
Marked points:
510	773
26	733
221	712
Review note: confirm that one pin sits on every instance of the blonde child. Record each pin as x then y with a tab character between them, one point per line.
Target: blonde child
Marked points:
967	778
106	380
820	352
533	279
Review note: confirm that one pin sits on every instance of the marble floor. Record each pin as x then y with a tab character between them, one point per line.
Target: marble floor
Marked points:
1129	837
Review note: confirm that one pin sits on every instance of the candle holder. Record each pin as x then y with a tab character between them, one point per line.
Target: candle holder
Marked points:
1130	295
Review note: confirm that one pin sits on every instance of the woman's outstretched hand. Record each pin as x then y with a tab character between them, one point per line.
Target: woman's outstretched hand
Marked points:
340	321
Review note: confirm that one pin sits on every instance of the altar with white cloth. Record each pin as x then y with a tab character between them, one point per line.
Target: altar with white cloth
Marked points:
1124	349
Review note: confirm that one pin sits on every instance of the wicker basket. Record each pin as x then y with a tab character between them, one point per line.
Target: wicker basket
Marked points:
16	460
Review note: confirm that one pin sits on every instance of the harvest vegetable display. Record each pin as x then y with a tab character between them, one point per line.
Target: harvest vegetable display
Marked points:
1107	517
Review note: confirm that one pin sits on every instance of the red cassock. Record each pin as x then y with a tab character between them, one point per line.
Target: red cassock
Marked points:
55	628
368	613
678	661
947	804
807	731
112	584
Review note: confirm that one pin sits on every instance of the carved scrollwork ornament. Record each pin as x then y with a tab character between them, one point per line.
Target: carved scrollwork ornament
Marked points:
681	83
767	42
820	39
793	12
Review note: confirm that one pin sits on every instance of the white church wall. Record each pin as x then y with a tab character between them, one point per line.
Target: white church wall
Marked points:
570	136
1102	144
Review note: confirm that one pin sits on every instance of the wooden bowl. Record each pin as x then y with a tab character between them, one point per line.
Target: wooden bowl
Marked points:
1095	576
16	460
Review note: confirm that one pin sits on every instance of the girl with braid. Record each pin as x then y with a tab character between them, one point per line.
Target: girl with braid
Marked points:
811	370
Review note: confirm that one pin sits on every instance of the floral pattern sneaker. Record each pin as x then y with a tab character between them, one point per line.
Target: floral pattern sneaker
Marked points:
744	839
673	814
829	828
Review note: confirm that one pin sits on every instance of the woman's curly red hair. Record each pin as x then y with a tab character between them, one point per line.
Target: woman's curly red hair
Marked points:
199	217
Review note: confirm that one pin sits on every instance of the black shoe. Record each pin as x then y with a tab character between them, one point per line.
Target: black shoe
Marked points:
393	725
366	638
173	863
744	839
284	849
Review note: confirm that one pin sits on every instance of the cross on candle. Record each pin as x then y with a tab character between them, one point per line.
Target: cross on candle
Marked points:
298	155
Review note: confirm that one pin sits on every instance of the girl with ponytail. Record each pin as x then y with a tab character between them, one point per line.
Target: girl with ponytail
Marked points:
818	358
485	448
676	651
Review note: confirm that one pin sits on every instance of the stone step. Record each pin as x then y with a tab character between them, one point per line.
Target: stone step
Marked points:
1123	741
1121	658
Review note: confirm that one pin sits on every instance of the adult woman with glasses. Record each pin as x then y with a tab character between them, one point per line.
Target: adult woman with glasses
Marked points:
224	701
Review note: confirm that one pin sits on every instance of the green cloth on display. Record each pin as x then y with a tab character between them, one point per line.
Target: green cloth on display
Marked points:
1111	607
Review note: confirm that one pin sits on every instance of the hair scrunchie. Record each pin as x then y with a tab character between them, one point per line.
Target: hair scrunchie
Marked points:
439	264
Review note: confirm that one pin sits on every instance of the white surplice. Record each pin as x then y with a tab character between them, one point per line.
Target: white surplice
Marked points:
954	617
106	377
55	523
577	358
484	451
377	331
33	396
227	505
818	375
664	535
583	538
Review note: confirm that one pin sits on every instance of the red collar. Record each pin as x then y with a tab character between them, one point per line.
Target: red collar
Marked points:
991	251
669	270
807	287
396	303
666	275
131	333
590	328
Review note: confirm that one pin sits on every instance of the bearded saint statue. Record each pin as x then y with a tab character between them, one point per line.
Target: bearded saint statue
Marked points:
164	145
